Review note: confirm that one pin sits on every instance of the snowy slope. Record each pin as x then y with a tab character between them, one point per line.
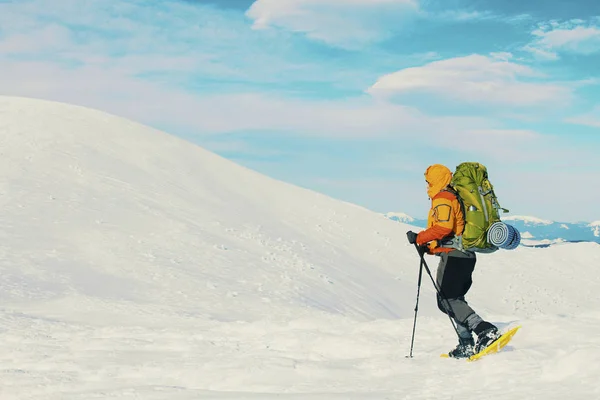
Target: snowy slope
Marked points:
136	265
146	213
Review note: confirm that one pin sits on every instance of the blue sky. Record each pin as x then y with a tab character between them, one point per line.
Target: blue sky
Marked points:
352	98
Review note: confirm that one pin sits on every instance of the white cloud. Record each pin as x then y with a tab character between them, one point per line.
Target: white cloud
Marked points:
51	37
343	23
571	39
541	54
464	15
589	119
475	79
574	36
501	56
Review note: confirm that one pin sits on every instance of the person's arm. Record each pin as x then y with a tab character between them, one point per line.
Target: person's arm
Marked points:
443	222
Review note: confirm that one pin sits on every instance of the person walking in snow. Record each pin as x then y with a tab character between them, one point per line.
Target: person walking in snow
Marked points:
454	274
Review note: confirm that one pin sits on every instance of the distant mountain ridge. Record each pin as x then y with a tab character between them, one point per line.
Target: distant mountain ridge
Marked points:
531	228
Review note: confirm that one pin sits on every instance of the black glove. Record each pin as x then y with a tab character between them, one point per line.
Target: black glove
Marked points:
423	249
412	237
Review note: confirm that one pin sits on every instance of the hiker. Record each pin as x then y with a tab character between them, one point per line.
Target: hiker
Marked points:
444	227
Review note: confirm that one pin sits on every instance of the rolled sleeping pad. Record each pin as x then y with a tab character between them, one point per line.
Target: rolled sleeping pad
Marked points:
504	236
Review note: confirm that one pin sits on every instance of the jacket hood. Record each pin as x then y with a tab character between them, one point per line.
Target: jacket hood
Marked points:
438	177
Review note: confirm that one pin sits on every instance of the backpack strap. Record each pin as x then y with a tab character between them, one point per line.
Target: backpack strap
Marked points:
454	241
453	191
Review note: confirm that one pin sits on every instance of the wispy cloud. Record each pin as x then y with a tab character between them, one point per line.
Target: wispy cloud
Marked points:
156	103
591	118
458	15
163	76
47	39
354	24
475	79
344	23
177	39
573	36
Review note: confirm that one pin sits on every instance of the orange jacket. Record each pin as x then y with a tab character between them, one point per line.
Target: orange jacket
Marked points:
445	217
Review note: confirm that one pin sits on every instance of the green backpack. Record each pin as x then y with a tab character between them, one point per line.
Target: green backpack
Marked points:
479	205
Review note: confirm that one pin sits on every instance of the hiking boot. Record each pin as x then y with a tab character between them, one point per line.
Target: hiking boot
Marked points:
486	335
465	349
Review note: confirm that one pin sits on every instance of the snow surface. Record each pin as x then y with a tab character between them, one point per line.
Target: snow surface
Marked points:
135	265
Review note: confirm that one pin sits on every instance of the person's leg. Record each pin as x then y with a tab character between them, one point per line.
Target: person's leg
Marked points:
455	280
463	331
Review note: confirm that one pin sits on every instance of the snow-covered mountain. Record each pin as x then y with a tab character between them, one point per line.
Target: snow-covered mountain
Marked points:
595	227
134	264
533	230
536	229
402	217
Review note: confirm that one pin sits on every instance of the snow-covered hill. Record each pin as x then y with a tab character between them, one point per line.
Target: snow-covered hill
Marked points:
134	264
534	230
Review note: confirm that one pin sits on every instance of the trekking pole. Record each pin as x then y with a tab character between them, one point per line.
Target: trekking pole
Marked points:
412	341
450	312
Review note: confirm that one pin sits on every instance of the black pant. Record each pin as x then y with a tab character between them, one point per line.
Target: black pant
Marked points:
454	278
